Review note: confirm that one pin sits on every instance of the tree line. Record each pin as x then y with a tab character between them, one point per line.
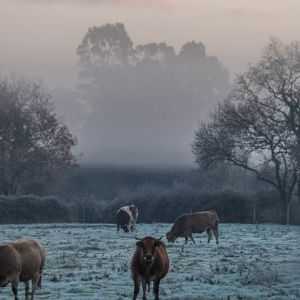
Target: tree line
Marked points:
93	195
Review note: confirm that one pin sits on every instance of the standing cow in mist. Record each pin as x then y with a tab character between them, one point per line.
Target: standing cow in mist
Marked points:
127	217
22	261
150	262
197	222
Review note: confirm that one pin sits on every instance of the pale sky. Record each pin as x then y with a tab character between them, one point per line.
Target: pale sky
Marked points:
39	37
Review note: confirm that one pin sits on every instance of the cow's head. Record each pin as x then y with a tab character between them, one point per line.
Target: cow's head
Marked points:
170	237
125	228
148	247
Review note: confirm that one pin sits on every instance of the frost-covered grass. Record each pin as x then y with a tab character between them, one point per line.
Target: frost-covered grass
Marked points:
93	262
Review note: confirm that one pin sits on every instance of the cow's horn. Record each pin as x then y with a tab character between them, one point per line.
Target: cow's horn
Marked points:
160	238
137	238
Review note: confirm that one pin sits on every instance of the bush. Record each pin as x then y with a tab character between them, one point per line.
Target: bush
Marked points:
156	204
33	209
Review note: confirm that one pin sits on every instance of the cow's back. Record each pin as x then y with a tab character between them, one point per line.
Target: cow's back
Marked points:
201	221
32	256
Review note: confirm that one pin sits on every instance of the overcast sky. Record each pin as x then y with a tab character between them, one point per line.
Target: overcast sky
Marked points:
39	38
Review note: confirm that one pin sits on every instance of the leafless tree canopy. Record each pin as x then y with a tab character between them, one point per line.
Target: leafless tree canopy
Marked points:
258	126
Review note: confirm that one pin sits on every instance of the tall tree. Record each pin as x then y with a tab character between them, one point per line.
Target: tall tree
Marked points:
103	48
144	97
257	126
34	142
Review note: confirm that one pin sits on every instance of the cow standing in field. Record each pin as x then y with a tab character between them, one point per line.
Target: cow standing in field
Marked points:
198	222
150	262
127	217
22	261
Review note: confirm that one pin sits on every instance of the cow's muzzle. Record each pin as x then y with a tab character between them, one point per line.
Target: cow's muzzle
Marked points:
148	259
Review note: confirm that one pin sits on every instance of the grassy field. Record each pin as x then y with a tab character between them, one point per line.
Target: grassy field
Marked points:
93	262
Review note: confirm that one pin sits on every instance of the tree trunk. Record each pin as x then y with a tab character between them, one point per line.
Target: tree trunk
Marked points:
254	213
288	213
298	163
298	190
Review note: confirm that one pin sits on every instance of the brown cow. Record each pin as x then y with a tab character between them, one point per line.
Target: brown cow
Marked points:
197	222
150	262
22	261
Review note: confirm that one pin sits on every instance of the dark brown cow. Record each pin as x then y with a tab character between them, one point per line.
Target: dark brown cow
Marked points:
150	262
127	217
22	261
197	222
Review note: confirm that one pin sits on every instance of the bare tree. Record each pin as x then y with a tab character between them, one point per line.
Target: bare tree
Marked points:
34	142
257	127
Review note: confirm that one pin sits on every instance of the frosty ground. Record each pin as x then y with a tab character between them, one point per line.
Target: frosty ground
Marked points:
93	262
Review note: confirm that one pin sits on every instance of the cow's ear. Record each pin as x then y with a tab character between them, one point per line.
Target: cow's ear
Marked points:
139	244
158	243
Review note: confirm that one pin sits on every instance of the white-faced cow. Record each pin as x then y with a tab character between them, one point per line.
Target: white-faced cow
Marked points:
197	222
150	262
22	261
127	217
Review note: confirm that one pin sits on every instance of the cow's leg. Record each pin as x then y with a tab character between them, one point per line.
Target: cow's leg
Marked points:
191	237
137	284
26	290
186	239
128	227
144	290
118	227
216	234
134	228
35	281
209	233
156	289
14	286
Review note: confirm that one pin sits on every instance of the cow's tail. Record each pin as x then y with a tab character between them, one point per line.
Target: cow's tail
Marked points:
43	256
39	285
217	230
217	224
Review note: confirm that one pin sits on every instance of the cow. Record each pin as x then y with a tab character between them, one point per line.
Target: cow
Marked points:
22	261
127	217
150	262
197	222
